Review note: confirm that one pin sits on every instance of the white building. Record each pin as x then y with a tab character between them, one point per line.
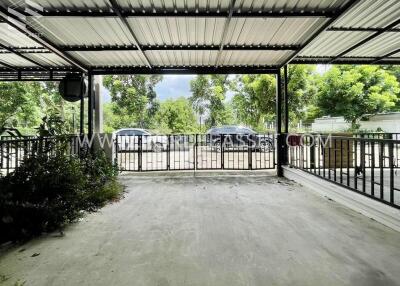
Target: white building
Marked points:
388	122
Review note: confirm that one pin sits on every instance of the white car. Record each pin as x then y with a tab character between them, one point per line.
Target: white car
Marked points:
135	139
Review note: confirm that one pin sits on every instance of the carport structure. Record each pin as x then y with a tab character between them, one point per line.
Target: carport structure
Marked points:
45	40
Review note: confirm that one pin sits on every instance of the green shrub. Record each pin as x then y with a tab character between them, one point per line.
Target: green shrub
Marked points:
47	192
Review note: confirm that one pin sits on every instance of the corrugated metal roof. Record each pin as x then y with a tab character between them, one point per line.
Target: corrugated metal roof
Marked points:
381	45
12	38
177	31
330	43
371	14
170	5
110	58
59	4
396	55
288	4
16	61
182	58
83	31
48	59
182	5
189	32
255	58
272	31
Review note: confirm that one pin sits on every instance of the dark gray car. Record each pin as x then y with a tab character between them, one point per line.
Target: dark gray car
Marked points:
238	137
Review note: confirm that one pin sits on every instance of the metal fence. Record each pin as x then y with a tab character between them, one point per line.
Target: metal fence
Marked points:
195	152
368	166
14	151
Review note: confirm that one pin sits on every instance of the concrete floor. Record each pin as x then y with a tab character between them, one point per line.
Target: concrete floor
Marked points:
247	230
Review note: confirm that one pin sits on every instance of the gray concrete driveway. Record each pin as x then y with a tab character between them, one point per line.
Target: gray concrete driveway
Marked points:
243	230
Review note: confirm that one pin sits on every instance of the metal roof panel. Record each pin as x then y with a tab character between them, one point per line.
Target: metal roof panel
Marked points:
254	58
271	31
16	61
177	31
182	58
83	31
330	44
379	46
110	58
371	14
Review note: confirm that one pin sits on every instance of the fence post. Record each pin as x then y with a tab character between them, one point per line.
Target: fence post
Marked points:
391	172
222	140
169	151
250	151
140	150
195	152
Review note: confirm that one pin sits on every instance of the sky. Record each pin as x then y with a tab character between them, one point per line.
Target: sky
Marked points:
173	86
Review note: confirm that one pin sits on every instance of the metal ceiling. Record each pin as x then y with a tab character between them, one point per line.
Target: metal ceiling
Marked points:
150	36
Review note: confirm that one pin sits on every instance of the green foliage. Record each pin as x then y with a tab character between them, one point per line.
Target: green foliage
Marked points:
302	90
208	98
354	91
176	116
134	99
24	104
254	99
17	105
48	191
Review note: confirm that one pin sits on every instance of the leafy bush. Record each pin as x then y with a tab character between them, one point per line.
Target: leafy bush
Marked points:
47	192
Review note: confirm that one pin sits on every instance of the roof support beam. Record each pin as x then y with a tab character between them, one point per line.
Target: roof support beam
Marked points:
179	48
23	51
186	70
366	40
225	31
21	26
211	14
347	7
11	50
352	29
347	60
123	19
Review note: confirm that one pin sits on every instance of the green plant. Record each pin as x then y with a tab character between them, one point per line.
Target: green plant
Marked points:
48	191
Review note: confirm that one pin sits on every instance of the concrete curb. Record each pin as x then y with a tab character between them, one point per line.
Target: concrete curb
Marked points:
380	212
200	173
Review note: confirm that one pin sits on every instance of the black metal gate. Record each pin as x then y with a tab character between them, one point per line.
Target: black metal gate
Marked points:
194	152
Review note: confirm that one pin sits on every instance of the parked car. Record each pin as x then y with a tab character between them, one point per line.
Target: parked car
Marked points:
238	137
128	139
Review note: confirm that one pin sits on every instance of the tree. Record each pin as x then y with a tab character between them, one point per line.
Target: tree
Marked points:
208	97
254	99
134	98
302	90
176	116
357	91
18	105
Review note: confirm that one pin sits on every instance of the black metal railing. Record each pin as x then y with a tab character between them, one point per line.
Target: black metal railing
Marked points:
368	166
14	151
195	152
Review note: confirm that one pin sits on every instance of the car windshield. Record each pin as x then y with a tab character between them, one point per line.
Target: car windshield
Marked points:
245	130
231	130
132	132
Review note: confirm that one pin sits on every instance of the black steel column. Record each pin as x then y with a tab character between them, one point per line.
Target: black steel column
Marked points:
279	135
286	107
90	104
285	72
82	110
